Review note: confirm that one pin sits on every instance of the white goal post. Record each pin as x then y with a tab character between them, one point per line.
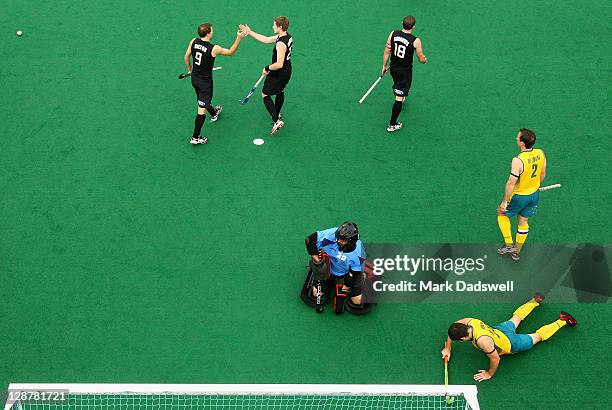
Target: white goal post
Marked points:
260	395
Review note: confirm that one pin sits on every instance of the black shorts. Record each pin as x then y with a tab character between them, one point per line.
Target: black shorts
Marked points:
402	80
275	84
204	91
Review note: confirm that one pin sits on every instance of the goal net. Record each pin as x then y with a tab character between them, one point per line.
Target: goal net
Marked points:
239	396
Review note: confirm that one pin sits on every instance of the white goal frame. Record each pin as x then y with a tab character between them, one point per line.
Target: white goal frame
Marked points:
468	391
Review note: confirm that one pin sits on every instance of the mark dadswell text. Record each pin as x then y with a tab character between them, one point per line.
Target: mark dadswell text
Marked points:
430	286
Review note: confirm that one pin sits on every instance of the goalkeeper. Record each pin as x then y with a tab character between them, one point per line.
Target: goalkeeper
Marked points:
502	338
346	260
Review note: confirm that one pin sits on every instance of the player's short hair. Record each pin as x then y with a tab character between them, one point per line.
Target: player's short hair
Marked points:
282	22
408	22
457	330
204	29
528	137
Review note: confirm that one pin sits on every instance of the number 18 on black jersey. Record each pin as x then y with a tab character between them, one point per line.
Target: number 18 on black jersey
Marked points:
402	49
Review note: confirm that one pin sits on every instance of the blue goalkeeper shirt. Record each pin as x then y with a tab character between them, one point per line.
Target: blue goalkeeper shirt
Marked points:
341	261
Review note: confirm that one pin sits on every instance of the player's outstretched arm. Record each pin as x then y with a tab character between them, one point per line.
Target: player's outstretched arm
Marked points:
515	172
419	51
386	55
257	36
220	51
487	345
187	56
446	351
448	345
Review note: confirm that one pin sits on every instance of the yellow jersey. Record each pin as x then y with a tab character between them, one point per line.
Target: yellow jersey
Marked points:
479	329
529	180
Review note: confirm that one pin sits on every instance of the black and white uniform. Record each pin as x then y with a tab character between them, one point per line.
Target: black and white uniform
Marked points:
402	52
277	80
201	72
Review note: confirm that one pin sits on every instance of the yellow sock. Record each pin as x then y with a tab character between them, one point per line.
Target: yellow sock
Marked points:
506	229
547	331
524	310
521	236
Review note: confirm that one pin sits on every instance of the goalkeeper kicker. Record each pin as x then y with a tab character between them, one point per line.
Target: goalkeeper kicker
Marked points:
336	254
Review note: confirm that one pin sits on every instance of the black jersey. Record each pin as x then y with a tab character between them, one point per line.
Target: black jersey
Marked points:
402	49
287	40
203	61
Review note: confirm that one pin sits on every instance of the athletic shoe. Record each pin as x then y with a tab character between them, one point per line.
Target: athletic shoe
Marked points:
198	140
515	256
214	118
393	128
538	297
505	249
277	126
566	317
279	117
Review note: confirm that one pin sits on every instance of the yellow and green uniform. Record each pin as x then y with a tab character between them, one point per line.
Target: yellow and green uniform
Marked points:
480	329
504	335
526	195
529	180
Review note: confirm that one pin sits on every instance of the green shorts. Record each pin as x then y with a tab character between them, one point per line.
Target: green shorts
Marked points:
524	205
518	342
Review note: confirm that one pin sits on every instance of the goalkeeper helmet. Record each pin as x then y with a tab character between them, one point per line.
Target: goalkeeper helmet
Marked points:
348	232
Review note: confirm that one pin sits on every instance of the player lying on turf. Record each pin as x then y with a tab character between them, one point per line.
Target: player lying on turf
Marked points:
278	73
203	54
502	338
401	46
521	194
346	258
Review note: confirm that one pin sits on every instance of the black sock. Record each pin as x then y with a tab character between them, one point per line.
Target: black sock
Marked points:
199	121
278	103
270	107
395	112
211	110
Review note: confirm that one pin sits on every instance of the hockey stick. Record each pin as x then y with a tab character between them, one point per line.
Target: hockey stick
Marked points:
246	99
372	87
185	75
449	399
546	188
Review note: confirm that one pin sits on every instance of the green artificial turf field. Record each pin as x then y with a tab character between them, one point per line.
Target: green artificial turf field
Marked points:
129	256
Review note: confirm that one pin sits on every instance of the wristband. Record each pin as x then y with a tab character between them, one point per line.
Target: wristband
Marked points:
267	68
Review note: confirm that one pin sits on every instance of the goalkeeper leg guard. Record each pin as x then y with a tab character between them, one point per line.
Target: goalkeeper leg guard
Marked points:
339	299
